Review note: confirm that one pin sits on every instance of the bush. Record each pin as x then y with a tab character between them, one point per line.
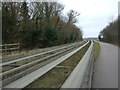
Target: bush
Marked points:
50	36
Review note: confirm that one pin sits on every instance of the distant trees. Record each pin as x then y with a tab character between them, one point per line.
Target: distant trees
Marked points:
110	33
38	24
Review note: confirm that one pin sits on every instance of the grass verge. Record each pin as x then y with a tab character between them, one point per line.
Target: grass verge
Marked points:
96	49
56	77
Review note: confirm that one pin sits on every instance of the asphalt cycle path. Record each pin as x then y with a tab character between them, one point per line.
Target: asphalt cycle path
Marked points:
106	67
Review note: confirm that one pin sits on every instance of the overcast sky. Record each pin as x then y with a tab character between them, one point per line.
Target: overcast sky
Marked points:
94	14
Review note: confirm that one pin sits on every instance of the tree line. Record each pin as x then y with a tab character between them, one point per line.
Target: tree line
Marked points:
110	33
38	24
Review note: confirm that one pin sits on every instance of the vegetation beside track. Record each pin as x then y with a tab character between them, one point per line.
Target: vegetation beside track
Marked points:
96	49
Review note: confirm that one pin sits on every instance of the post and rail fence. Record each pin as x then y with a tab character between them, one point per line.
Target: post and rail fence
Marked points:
9	48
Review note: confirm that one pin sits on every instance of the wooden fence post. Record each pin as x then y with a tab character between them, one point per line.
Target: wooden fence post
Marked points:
5	48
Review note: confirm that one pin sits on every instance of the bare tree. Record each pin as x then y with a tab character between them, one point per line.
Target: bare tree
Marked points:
72	16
